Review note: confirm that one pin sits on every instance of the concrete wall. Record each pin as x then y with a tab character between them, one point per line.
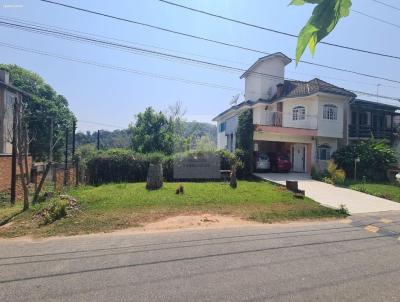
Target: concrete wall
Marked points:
6	117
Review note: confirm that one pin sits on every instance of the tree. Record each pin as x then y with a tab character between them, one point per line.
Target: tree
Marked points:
244	140
152	132
323	20
375	156
43	104
176	113
22	143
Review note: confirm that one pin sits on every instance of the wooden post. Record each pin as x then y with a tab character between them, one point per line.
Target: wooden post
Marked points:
66	158
73	139
14	154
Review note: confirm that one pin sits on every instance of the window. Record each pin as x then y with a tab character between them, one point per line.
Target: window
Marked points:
299	113
222	127
364	118
330	112
324	152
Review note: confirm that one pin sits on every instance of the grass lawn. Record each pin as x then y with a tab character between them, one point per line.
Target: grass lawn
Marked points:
117	206
384	190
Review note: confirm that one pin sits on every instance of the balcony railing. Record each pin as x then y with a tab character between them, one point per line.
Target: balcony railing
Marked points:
367	131
279	119
272	118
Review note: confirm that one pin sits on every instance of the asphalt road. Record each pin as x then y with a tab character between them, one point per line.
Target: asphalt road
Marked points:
325	261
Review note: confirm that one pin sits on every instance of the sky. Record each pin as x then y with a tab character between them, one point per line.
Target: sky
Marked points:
109	99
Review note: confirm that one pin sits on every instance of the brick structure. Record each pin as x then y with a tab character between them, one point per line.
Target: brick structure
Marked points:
5	174
59	176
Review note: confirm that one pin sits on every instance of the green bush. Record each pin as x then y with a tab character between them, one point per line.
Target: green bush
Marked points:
56	211
337	176
123	165
375	158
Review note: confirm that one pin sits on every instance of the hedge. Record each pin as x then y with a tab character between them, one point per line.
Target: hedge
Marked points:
121	165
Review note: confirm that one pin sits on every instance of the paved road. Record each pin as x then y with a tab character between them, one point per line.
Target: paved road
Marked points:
326	261
332	196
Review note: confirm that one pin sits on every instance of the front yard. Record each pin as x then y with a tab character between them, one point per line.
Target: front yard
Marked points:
383	190
118	206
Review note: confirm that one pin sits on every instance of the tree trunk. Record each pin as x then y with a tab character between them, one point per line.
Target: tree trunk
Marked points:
39	187
233	180
22	149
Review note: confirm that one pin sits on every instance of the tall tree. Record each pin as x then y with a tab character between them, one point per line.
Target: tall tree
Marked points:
152	132
323	20
43	104
244	140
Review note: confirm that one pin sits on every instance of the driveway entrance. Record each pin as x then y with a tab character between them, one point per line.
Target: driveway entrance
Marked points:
332	196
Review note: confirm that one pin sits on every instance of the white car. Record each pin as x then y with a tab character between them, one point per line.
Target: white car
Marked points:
262	162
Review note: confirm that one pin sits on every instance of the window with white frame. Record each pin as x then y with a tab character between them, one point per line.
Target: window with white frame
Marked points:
299	113
324	152
330	112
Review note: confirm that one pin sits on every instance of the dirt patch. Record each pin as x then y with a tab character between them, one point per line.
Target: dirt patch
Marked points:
196	221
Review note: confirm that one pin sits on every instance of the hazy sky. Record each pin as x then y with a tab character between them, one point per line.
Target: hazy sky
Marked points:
114	97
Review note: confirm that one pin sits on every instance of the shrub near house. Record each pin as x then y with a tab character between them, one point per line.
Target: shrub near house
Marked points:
375	158
122	165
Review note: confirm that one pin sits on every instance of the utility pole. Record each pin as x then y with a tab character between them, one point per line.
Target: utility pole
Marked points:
73	139
66	157
51	140
98	139
14	154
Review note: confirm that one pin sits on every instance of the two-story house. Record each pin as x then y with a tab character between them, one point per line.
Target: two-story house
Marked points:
306	120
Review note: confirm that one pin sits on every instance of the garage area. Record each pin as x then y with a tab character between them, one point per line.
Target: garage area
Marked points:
298	154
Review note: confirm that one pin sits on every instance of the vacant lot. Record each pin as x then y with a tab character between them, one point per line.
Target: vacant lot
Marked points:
117	206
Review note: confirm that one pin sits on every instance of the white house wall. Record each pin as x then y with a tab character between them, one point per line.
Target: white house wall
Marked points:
258	86
331	128
230	128
311	106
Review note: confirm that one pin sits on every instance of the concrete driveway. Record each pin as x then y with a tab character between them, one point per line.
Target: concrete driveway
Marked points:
331	196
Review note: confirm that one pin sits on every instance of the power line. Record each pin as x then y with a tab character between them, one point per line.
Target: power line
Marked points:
45	26
124	69
66	35
272	30
142	50
375	18
135	71
213	41
102	124
387	5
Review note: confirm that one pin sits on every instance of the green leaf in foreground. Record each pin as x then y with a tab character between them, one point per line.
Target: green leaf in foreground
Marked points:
325	16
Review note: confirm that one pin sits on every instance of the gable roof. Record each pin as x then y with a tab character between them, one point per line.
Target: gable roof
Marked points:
293	89
286	60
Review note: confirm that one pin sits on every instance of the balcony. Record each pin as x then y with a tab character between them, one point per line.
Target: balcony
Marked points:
280	119
367	131
271	118
279	122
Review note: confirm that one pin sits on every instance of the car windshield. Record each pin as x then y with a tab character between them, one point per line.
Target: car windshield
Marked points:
263	157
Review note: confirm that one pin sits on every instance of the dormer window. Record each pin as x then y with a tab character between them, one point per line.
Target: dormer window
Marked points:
330	112
299	113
